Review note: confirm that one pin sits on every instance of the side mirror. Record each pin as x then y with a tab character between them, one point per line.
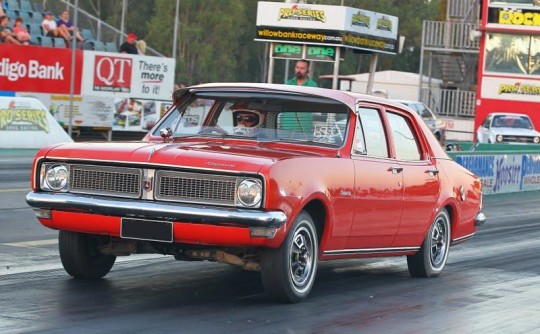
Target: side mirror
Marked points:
165	134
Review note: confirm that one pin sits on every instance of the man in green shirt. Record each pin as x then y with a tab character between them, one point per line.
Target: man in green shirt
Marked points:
301	77
299	124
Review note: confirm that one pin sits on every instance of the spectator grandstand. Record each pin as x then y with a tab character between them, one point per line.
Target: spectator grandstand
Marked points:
97	35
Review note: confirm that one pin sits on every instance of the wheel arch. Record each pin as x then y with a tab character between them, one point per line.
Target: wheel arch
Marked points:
319	212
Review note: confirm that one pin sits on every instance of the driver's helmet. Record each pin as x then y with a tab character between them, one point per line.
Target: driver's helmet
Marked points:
246	121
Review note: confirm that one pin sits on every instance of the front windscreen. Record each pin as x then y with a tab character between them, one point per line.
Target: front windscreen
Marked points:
511	121
275	117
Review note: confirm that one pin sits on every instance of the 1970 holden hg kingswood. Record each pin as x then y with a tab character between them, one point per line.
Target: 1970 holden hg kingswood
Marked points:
272	178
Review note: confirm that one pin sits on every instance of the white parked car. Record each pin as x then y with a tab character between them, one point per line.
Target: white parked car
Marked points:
502	127
435	124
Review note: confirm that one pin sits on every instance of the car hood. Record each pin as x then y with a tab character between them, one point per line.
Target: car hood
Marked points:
514	132
207	155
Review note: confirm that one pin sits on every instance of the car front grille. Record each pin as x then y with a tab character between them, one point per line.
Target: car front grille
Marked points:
195	187
109	181
173	186
517	139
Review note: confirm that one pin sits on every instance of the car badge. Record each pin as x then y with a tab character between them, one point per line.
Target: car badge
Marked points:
462	193
147	183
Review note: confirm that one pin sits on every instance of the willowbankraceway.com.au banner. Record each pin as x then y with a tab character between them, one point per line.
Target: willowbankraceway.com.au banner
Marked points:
335	38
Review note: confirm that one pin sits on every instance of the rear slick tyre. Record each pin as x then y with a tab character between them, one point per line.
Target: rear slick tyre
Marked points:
288	273
81	257
431	259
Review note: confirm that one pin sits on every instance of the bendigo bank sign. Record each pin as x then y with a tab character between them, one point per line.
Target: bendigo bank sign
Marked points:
29	69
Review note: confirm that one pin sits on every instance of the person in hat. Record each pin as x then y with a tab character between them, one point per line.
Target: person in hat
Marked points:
50	28
130	45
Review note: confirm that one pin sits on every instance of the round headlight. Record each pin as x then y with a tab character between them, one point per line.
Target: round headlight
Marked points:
249	192
57	177
499	138
536	140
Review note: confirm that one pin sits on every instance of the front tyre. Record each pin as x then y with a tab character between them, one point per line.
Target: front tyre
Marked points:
433	254
288	273
81	257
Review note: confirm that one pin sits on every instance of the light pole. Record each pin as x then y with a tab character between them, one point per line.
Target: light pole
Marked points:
72	76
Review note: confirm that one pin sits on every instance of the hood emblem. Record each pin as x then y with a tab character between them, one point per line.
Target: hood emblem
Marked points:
147	183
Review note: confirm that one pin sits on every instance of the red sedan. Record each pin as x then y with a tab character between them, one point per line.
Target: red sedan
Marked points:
272	178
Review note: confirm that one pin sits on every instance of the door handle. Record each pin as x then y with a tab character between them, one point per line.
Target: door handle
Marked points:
396	169
432	172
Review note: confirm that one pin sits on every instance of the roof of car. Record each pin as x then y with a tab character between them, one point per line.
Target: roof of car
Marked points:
347	97
507	114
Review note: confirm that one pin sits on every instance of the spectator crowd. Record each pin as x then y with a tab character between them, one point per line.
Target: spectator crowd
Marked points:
26	23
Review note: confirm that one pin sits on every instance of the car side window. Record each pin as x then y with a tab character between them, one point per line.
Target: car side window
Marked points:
487	122
405	141
374	134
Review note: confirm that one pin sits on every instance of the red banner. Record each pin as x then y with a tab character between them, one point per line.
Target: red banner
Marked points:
38	69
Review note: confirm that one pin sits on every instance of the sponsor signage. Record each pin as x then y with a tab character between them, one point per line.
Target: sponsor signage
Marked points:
327	25
125	75
504	173
287	51
511	89
112	74
23	116
91	111
321	53
29	69
309	52
514	18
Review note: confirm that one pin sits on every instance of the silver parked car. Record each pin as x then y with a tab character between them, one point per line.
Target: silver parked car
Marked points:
434	123
503	127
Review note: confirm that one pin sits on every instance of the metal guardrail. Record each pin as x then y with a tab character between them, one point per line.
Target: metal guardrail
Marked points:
450	36
464	10
450	102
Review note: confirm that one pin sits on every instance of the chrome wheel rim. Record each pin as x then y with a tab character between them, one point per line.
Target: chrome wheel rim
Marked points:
301	258
439	242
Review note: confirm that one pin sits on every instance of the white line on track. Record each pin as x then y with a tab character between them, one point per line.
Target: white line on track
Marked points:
35	243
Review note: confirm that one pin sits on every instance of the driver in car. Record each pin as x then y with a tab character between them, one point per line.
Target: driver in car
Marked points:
247	122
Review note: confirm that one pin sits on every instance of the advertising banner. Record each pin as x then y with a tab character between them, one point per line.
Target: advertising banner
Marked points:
504	173
131	114
514	16
26	123
309	52
25	68
511	89
327	25
125	75
91	111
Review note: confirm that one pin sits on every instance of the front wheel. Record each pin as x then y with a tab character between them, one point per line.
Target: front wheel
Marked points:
288	273
430	260
81	257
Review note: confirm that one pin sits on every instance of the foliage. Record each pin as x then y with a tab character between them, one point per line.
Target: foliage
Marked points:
215	40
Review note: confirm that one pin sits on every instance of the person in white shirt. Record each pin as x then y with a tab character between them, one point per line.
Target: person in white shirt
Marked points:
52	30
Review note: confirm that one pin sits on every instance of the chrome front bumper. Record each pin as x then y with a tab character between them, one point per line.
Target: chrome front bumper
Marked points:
480	219
155	210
